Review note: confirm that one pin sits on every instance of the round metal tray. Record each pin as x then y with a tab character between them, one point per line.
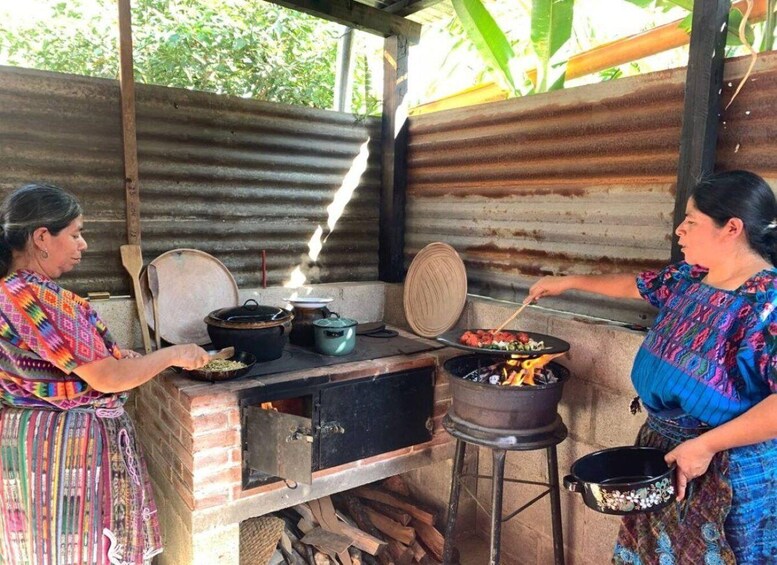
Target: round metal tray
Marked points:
553	345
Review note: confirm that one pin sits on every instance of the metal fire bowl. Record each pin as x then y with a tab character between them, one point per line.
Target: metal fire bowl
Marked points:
512	410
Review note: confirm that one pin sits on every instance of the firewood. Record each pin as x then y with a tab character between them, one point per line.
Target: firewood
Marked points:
396	501
305	526
418	552
397	485
394	513
305	551
431	538
401	553
362	540
358	512
356	556
305	511
321	558
390	527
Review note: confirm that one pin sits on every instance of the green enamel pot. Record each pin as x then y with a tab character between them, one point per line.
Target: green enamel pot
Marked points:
334	335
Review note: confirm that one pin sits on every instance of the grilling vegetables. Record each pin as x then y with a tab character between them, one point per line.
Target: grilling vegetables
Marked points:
502	341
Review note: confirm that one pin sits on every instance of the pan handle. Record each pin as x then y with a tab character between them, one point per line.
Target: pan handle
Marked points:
573	484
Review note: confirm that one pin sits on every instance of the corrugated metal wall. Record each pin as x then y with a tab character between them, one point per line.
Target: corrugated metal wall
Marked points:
577	181
225	175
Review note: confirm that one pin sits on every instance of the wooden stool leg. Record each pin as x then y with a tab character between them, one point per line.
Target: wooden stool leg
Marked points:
453	504
555	506
496	503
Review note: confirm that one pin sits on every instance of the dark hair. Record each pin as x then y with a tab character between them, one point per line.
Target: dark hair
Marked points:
743	195
31	207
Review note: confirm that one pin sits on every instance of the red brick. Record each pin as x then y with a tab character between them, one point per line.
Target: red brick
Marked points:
229	438
213	403
211	500
236	455
209	476
186	495
208	423
212	458
233	418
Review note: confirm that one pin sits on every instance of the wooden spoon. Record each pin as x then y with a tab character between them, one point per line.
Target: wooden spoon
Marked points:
153	287
511	318
132	259
225	353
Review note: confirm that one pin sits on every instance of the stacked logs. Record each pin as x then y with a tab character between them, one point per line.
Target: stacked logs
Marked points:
377	524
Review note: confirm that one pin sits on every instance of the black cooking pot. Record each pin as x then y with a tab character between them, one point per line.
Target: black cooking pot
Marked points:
257	329
623	480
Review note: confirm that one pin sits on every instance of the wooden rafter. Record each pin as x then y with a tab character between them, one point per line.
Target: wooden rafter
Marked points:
357	15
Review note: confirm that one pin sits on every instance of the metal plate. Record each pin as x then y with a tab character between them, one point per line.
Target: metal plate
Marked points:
192	284
552	344
279	444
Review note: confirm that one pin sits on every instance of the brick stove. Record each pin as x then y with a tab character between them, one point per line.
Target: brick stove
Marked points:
196	448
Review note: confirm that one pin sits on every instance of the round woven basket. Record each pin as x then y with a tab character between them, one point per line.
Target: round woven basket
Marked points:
258	538
435	290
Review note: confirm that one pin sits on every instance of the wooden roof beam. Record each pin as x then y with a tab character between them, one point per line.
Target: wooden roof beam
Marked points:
357	15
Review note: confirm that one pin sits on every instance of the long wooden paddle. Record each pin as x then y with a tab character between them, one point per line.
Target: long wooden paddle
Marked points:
132	259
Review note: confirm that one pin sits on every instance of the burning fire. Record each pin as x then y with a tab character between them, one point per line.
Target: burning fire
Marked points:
521	373
516	372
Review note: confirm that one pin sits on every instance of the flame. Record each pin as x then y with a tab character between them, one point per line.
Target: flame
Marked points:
335	210
528	368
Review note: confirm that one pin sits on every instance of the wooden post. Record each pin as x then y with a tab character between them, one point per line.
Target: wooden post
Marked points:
129	133
391	265
703	86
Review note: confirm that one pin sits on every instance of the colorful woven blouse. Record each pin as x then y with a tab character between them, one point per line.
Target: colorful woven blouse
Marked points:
73	484
45	333
711	353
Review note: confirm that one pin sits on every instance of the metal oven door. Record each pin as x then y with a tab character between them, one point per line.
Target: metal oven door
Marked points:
279	444
359	419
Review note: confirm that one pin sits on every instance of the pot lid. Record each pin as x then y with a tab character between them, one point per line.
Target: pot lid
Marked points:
251	315
189	284
435	290
335	321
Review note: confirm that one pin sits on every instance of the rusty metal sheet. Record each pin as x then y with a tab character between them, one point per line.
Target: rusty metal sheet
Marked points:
576	181
229	176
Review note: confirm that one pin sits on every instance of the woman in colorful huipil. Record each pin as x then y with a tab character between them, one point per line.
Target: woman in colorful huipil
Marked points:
707	374
73	484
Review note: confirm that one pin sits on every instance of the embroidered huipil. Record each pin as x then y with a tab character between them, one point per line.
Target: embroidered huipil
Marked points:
73	485
710	356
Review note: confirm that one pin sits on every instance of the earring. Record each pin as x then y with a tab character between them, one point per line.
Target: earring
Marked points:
44	254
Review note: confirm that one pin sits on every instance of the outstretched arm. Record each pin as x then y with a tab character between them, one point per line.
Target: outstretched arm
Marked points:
112	375
616	286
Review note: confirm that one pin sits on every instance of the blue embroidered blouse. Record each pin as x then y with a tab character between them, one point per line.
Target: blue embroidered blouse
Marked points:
712	353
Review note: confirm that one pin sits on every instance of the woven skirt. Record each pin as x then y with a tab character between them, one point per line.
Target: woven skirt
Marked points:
729	514
74	489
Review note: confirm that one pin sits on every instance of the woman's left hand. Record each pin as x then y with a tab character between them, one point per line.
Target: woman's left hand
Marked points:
130	354
692	458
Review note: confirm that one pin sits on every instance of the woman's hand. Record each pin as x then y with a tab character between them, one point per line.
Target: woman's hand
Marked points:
548	286
130	354
692	458
188	356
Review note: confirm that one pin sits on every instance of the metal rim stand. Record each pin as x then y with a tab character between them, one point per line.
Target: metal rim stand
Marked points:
549	442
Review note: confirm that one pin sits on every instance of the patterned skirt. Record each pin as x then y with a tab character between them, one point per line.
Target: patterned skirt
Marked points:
729	514
74	489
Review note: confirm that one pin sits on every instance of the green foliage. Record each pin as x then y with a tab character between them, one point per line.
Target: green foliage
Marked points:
488	38
551	28
235	47
734	19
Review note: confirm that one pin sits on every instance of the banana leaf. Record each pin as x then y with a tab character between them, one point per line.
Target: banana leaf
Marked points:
551	28
488	38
